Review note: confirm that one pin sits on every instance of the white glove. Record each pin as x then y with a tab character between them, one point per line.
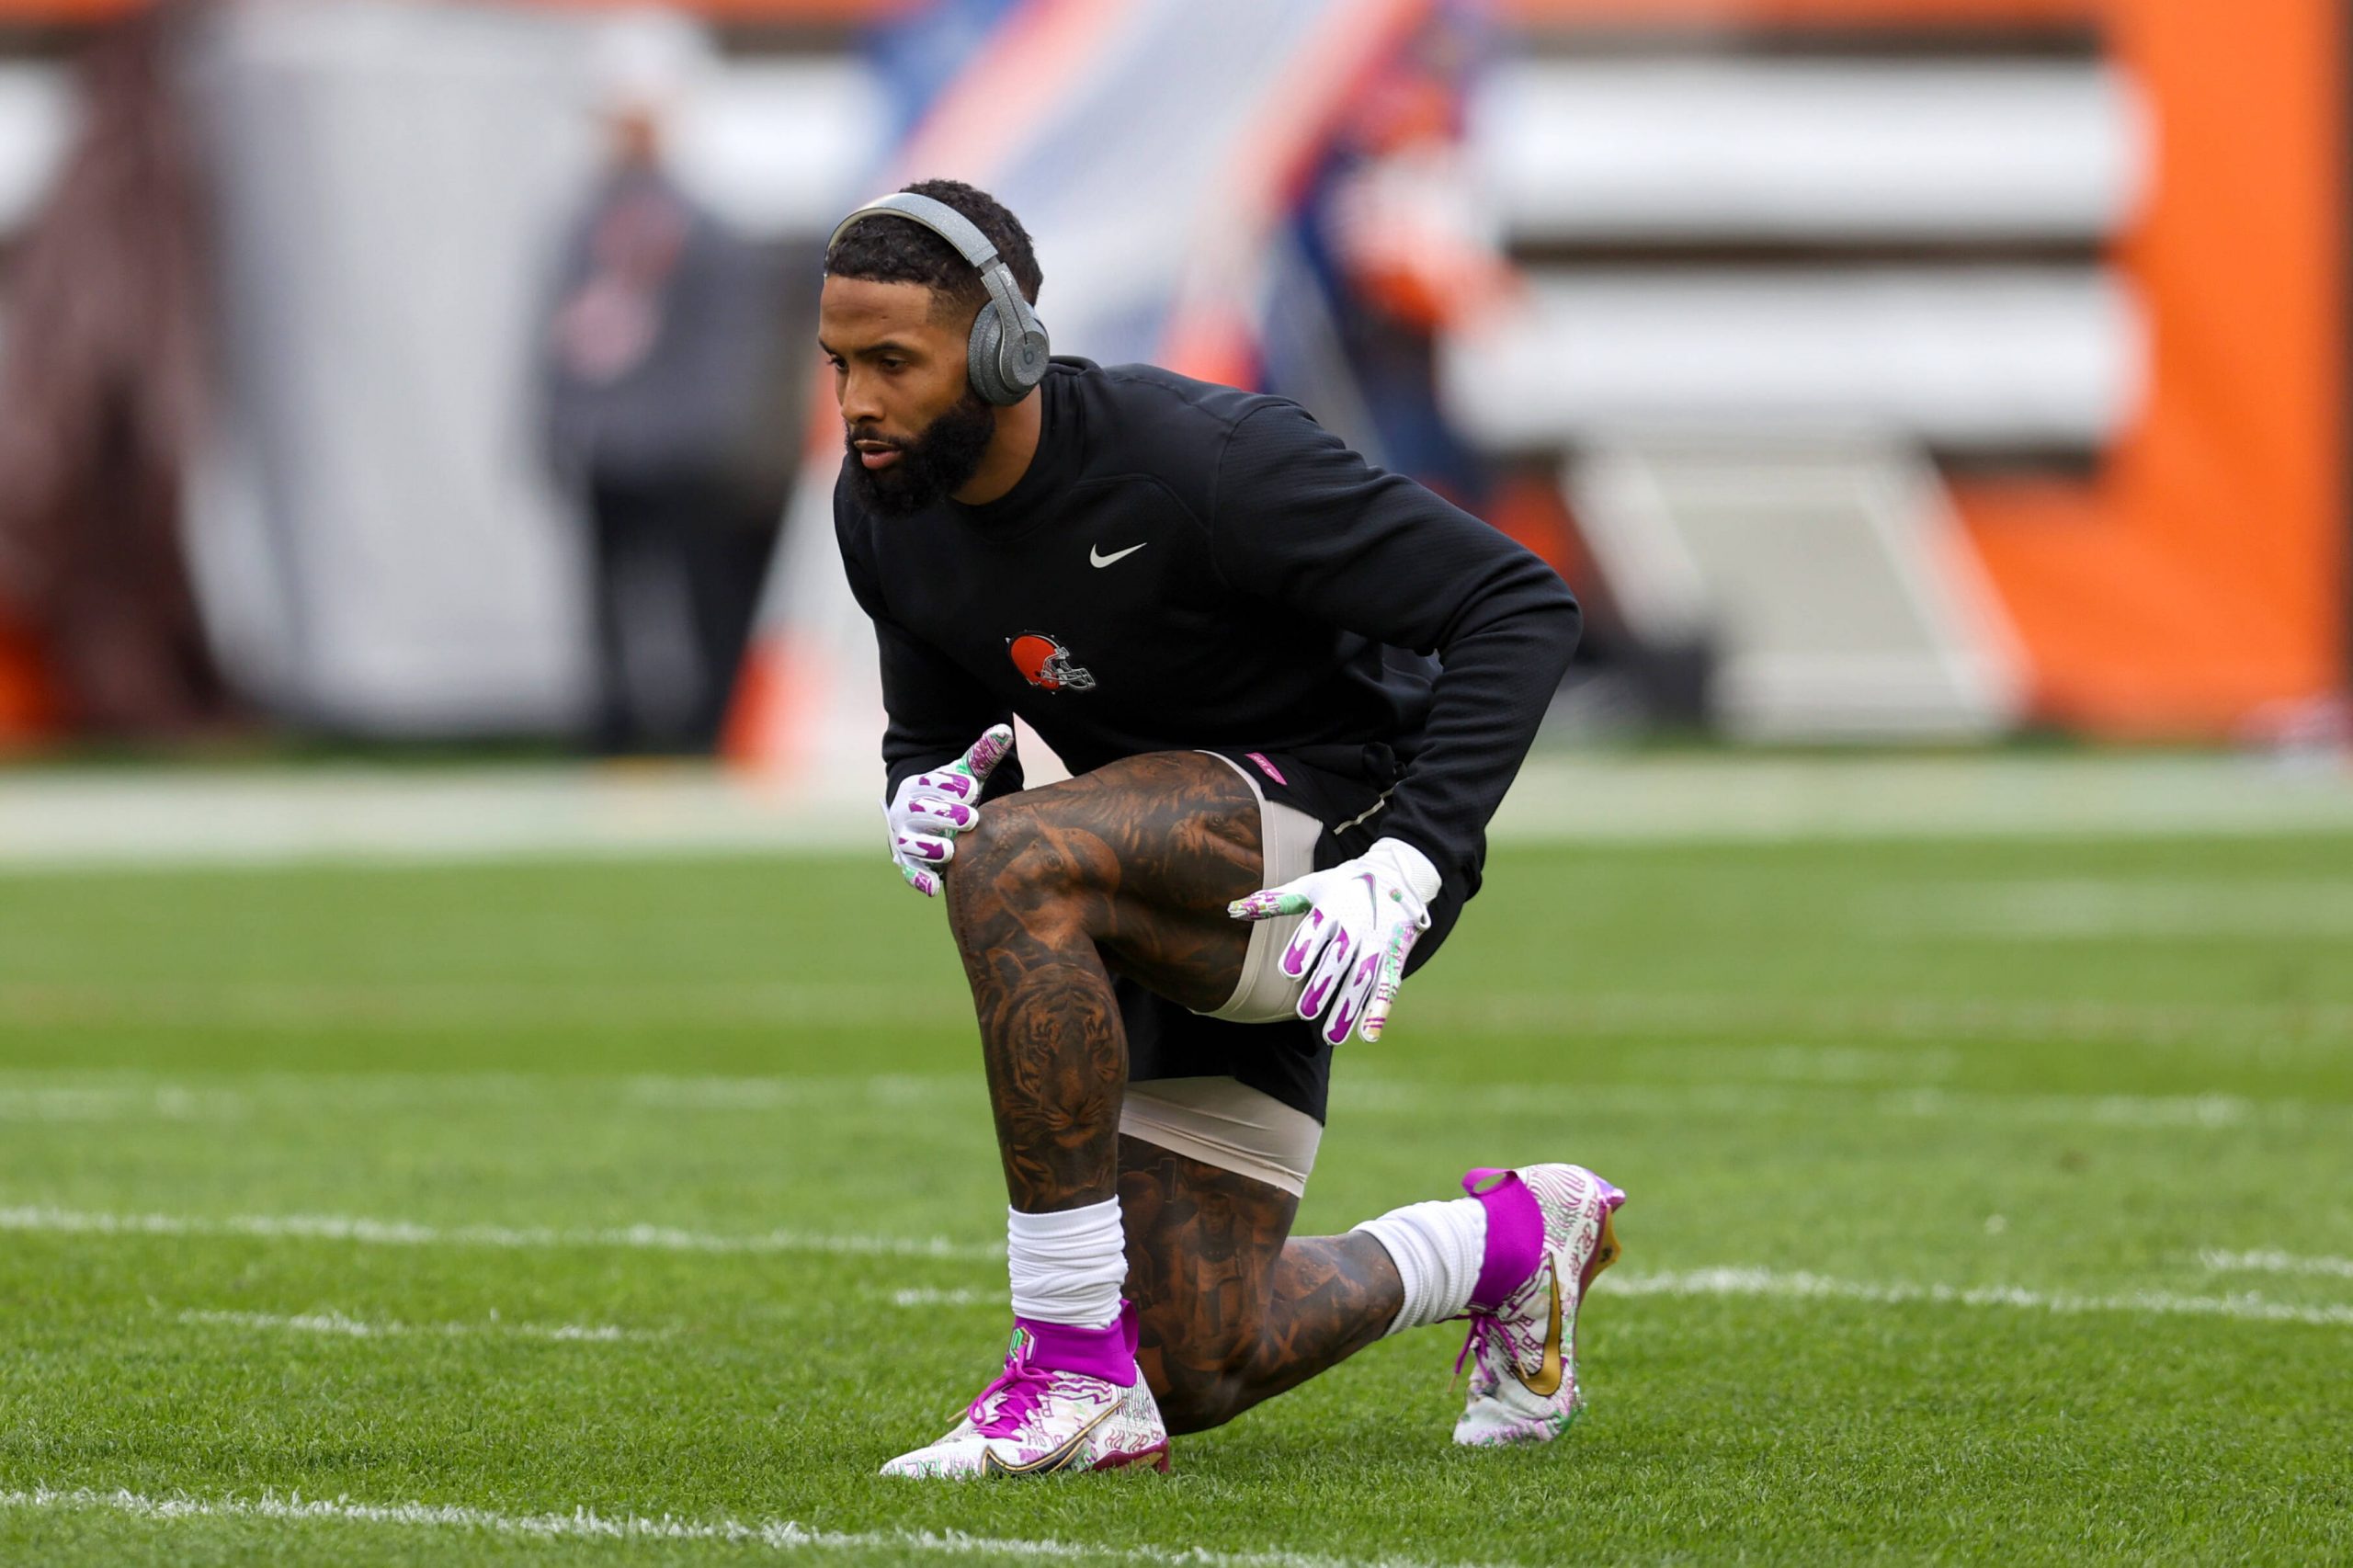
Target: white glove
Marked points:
931	809
1363	917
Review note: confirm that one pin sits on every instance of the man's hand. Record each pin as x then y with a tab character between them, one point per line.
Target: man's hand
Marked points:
1363	917
931	809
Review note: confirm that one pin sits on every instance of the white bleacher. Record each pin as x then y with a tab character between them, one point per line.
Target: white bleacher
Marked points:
1956	357
1593	150
1744	384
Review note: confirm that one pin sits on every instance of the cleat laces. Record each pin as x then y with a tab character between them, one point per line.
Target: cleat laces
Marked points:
1011	1398
1485	1328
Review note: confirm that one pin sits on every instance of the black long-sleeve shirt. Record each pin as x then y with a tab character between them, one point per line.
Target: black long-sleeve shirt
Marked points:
1186	565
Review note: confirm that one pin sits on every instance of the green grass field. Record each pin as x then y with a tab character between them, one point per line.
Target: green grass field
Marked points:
1991	1201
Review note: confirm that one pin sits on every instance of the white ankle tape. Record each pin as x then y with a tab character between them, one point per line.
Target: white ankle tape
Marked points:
1438	1248
1067	1267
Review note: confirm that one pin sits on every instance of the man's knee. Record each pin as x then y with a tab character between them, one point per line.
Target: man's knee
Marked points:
1021	851
1196	1393
1195	1404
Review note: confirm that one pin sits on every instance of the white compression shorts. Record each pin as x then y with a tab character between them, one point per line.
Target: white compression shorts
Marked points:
1220	1121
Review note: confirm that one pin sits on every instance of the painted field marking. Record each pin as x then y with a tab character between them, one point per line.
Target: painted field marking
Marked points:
2216	1025
399	1006
405	1232
584	1524
1838	1066
114	1102
54	1096
440	1006
1723	1281
2090	909
886	1089
336	1325
1373	1095
1396	1096
1355	1095
930	1298
2273	1262
1799	1286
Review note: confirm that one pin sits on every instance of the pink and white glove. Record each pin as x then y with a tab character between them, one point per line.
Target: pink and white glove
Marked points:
931	809
1363	917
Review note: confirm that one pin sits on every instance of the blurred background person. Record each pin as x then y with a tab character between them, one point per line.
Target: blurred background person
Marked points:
1398	231
665	358
101	402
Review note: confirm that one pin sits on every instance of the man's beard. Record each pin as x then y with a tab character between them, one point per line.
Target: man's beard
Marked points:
934	464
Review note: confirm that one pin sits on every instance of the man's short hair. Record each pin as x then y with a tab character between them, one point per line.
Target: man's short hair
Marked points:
884	248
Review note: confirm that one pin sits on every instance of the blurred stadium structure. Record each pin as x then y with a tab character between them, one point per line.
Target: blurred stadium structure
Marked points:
1875	367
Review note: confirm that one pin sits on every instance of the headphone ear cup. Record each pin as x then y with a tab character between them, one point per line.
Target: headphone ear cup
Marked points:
1023	357
984	360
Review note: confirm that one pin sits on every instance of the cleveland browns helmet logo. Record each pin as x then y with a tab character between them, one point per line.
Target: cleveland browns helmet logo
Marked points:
1045	663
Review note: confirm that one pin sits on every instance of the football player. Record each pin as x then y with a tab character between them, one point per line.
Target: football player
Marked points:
1292	689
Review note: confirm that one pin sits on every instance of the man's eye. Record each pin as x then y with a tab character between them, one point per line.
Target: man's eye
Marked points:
891	362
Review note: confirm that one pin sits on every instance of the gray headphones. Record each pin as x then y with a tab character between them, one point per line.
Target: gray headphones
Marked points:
1007	353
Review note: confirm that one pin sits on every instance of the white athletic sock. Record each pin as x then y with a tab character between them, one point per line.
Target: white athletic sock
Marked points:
1068	1267
1438	1248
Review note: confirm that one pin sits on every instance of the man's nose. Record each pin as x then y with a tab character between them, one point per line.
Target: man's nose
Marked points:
860	406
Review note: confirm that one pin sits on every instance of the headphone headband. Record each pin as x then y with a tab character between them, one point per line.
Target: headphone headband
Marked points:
936	216
1006	356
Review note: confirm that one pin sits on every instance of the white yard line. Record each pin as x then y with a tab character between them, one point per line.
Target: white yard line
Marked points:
113	1103
395	1007
1354	1094
72	819
405	1233
336	1325
2217	1025
1725	1281
1798	1286
2086	909
56	819
885	1089
1378	1096
55	1094
929	1297
2272	1262
584	1524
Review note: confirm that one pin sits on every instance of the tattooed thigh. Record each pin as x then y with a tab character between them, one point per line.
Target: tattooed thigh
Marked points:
1142	855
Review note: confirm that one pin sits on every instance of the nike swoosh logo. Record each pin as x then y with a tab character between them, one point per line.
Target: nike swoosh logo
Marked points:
1096	557
1547	1380
1059	1457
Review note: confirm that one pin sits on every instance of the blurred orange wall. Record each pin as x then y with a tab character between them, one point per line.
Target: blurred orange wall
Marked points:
2204	573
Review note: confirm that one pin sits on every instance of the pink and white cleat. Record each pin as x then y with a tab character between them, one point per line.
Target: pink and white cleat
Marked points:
1069	1400
1548	1235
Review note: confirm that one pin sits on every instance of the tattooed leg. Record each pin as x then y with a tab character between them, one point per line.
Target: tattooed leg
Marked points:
1132	864
1233	1312
1131	867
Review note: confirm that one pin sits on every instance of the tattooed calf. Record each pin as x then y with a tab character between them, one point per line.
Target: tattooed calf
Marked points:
1233	1312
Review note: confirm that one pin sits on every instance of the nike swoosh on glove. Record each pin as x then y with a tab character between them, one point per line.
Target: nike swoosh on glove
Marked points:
1363	917
931	809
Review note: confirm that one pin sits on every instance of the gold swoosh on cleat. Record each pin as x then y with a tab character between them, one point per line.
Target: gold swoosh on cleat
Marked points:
1057	1459
1547	1380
